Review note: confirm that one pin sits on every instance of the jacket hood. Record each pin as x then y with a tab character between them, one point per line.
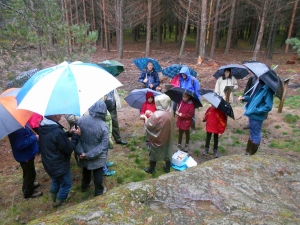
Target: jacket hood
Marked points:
149	94
47	125
185	70
163	102
98	110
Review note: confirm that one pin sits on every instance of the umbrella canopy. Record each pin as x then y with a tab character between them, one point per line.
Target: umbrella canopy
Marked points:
66	89
238	71
174	69
175	95
268	76
217	101
11	118
137	97
20	80
141	63
112	66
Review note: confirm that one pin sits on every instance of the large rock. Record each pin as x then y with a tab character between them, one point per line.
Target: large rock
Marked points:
229	190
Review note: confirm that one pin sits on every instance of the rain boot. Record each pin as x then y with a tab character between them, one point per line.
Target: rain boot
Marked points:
206	151
179	147
216	153
58	203
151	169
53	197
248	147
167	167
253	149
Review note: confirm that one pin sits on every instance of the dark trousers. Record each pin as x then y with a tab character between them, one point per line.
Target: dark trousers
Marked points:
29	176
98	179
187	136
216	140
115	125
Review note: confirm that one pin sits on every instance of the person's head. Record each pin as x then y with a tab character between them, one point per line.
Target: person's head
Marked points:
98	110
184	72
150	66
227	73
163	102
186	97
56	117
149	97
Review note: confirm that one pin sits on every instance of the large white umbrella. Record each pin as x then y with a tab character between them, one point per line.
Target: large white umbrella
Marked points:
68	88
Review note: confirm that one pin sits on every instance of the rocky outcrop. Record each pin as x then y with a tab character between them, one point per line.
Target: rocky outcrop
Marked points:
229	190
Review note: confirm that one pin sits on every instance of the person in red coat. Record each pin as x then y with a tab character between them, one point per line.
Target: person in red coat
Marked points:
148	108
185	113
215	124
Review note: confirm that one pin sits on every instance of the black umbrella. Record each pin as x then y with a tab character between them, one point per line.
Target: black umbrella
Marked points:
217	101
175	95
268	76
236	70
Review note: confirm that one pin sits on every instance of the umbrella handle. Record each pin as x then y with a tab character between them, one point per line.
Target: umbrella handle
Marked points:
31	129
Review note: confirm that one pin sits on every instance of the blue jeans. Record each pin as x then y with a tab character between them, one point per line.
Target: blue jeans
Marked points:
61	185
255	130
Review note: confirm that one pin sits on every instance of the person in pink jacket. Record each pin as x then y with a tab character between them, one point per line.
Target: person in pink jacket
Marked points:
185	113
215	124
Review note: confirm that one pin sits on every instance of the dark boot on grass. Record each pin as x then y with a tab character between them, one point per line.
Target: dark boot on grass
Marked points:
253	148
216	155
167	167
247	151
206	151
151	168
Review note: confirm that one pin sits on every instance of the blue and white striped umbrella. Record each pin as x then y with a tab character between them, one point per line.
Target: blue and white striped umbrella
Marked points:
66	89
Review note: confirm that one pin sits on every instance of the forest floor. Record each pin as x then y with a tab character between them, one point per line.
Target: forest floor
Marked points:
279	130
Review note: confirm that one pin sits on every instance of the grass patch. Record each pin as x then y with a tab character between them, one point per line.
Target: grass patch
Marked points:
286	144
277	126
293	102
239	131
285	133
290	118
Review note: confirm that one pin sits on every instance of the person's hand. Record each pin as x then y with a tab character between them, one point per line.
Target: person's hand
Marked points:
180	114
37	137
151	85
82	156
220	134
143	117
145	80
76	131
241	98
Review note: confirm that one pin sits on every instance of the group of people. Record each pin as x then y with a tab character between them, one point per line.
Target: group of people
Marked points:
259	102
89	136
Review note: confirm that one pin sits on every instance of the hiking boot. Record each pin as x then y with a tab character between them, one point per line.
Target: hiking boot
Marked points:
206	151
248	147
35	194
186	148
216	153
109	173
59	202
109	164
151	169
36	184
53	196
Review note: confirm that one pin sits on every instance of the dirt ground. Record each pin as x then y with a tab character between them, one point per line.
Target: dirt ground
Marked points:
128	117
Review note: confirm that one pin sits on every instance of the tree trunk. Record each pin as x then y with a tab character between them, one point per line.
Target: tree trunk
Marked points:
76	12
215	31
203	29
148	40
208	34
105	28
69	35
93	14
84	11
291	25
269	50
198	31
120	49
185	29
261	31
228	42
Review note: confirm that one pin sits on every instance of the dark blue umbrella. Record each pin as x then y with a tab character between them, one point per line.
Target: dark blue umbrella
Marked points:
174	69
141	64
20	80
217	101
238	71
175	95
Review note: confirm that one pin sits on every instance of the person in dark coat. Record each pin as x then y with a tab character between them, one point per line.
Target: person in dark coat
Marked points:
259	103
185	113
159	128
112	108
56	150
149	77
25	147
93	146
215	124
